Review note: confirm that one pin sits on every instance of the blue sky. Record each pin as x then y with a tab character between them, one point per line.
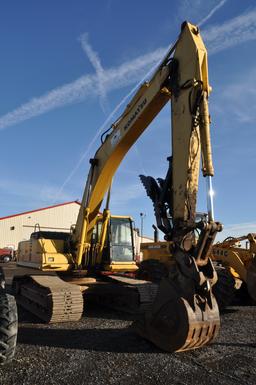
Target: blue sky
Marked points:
66	65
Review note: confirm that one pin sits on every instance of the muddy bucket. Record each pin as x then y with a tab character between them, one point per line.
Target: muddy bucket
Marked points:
174	325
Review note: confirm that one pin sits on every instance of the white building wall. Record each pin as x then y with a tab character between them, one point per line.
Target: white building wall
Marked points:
137	243
18	228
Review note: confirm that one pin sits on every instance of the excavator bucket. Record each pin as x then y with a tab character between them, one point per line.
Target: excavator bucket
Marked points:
174	325
251	278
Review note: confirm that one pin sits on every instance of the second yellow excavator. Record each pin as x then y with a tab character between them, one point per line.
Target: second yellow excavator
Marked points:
184	314
238	263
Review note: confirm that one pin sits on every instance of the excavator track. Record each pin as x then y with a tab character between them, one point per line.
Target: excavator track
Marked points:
146	290
122	293
49	297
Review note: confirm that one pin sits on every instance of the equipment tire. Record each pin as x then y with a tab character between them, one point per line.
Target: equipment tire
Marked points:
8	327
224	290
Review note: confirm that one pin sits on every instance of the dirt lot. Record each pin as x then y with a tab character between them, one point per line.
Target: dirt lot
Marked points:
103	349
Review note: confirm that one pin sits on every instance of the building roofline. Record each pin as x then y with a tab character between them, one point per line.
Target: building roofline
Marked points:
40	209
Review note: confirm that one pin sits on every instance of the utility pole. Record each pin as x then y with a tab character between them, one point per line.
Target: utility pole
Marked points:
142	216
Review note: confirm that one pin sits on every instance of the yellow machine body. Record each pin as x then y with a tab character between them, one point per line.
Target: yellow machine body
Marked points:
51	254
234	259
240	261
159	251
231	255
121	267
44	254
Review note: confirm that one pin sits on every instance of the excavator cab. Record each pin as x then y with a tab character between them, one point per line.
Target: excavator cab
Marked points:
121	239
118	254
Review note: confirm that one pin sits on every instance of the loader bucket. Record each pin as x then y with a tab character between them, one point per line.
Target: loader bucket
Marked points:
173	325
251	279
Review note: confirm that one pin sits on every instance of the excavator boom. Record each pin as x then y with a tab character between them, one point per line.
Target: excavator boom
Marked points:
181	77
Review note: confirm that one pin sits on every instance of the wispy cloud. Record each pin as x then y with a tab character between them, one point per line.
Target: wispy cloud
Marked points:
48	193
95	61
31	192
237	230
233	32
218	38
238	98
126	74
212	12
97	134
193	9
67	94
120	201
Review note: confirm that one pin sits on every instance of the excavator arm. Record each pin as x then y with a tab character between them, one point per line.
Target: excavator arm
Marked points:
145	105
181	78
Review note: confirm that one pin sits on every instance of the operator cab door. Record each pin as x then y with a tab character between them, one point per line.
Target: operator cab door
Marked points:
121	244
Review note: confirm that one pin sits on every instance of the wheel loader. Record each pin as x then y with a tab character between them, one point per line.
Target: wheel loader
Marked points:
183	313
236	264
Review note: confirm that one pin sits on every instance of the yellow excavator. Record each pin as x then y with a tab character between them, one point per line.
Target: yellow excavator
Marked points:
239	263
184	314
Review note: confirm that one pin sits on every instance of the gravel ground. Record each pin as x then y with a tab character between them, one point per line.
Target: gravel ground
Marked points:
103	349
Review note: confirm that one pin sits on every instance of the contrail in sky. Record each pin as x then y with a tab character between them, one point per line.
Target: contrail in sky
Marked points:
219	37
95	61
126	74
211	13
101	129
231	33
